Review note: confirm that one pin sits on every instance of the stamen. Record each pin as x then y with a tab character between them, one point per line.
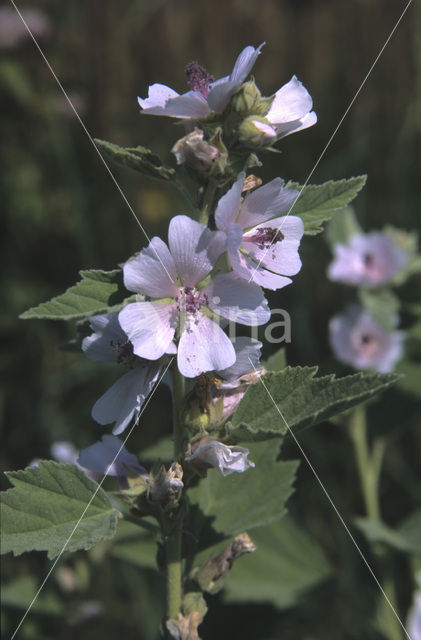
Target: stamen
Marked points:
265	237
193	299
198	78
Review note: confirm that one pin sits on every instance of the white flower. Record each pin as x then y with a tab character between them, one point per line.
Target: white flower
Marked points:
357	339
368	259
207	95
290	111
227	459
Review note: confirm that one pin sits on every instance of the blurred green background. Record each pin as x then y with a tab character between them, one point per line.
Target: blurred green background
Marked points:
62	213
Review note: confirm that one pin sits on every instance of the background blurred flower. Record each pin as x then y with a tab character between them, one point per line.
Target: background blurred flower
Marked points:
13	30
368	259
357	339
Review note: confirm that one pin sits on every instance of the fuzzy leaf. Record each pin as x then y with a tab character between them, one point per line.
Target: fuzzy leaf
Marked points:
222	507
318	203
137	158
286	563
46	503
302	399
98	292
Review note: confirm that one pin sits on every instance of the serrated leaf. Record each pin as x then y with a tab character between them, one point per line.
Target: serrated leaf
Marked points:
318	203
98	292
286	563
342	227
138	158
382	306
223	507
276	361
46	503
301	398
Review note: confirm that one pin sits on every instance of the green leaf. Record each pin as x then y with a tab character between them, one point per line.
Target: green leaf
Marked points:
380	532
137	158
318	203
301	398
286	563
45	505
97	292
382	305
410	381
223	507
276	361
20	592
342	227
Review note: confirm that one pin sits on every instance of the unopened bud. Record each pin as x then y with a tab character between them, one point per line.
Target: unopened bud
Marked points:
256	132
246	98
167	486
195	152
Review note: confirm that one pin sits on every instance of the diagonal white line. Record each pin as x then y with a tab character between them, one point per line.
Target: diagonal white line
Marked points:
136	422
303	453
333	134
82	124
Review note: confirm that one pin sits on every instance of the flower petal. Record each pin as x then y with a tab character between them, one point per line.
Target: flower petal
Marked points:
291	102
228	206
107	330
192	247
246	350
220	93
244	63
158	94
150	327
189	105
227	459
124	399
152	272
99	456
249	270
266	202
280	257
203	347
283	130
237	300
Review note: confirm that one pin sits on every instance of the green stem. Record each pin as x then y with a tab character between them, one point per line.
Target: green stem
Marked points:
173	536
369	465
368	473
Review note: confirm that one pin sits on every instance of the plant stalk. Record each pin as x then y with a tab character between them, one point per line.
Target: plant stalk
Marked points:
173	536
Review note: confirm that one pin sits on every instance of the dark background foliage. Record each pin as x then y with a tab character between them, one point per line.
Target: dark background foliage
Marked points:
62	212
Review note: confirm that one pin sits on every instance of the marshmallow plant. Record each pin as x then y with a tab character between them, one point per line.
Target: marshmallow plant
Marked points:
171	314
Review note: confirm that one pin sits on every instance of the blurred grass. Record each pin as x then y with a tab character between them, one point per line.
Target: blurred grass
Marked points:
61	213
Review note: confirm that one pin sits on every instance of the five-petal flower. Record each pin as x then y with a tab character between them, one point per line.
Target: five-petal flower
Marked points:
358	340
181	307
262	246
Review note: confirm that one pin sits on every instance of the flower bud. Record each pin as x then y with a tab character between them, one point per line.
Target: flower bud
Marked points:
195	152
246	98
256	132
167	486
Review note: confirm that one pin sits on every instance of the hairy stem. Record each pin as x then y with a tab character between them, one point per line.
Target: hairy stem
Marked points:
173	536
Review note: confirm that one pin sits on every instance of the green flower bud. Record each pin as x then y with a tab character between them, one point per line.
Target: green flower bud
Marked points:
256	132
246	98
